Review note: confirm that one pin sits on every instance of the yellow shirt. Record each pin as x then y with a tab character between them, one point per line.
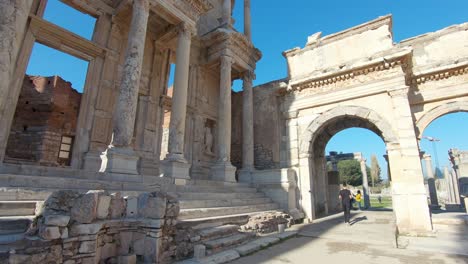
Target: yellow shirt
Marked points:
358	197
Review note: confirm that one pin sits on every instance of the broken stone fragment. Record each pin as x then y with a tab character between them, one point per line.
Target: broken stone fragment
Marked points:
49	232
152	205
84	209
56	220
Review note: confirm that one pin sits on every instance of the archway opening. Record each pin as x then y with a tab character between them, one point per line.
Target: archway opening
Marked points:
342	151
444	146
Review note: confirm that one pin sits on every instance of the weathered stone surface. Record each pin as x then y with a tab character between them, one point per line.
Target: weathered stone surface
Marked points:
84	209
103	206
152	205
49	232
87	247
117	206
130	259
56	220
267	222
132	207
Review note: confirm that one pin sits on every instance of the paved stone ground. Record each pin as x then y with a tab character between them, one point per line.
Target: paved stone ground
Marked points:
370	239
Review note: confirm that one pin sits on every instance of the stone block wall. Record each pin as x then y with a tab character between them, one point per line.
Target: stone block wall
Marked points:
98	227
47	109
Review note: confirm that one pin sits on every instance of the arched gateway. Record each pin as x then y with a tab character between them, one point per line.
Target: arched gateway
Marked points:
359	78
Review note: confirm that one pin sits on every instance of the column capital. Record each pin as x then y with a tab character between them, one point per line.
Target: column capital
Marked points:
184	29
249	76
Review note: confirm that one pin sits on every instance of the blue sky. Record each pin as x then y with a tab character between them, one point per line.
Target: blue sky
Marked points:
281	25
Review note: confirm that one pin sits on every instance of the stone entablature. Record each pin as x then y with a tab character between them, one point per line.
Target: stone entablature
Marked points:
234	44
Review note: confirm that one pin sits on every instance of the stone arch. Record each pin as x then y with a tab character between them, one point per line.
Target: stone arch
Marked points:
438	111
377	124
316	200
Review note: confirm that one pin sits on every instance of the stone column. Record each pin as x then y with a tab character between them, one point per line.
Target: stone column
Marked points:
120	156
175	165
247	129
431	181
365	184
226	13
247	24
223	169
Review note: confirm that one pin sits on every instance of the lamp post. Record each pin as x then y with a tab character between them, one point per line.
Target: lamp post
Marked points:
433	140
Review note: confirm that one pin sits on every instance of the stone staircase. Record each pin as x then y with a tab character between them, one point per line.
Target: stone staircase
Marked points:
215	199
213	210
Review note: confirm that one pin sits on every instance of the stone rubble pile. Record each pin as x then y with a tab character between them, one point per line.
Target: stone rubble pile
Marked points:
267	222
98	227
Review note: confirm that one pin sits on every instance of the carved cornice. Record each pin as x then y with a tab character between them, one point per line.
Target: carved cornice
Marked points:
345	75
440	74
227	41
193	8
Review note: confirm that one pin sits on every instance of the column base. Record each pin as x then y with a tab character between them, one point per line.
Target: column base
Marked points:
179	170
245	175
119	160
224	171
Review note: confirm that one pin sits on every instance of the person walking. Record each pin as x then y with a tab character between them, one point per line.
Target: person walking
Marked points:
358	199
345	197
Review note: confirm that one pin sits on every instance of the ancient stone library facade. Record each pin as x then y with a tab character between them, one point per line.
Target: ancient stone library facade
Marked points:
130	131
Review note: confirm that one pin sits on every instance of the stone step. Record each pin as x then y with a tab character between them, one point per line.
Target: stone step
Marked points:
220	211
217	196
217	232
12	181
215	245
218	183
189	204
17	208
214	189
19	194
14	224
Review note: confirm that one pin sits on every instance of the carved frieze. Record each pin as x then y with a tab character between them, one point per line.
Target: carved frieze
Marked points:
193	8
347	78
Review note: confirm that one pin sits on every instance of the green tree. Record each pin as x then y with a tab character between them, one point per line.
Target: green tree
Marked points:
350	172
375	171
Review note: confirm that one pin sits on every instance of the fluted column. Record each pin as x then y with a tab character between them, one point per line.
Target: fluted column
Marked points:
247	128
175	164
247	20
223	170
431	180
365	184
120	157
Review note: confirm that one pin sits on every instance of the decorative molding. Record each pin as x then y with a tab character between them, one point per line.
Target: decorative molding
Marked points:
345	75
439	74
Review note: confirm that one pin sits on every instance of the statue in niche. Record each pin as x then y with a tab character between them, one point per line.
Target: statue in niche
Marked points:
208	140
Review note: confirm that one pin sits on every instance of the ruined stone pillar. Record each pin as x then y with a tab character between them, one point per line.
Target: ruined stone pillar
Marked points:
365	184
247	24
120	156
430	180
223	169
247	128
175	165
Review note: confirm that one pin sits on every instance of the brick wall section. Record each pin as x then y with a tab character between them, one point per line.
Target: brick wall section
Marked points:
47	108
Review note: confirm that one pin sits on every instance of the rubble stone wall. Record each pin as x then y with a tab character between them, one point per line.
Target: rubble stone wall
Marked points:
98	227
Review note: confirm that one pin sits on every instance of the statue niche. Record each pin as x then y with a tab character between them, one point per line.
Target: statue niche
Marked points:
209	137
